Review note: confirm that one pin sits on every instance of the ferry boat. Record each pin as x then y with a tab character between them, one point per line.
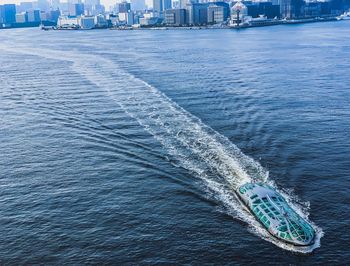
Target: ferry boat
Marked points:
274	213
344	16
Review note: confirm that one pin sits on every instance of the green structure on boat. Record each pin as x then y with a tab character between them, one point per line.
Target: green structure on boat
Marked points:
272	210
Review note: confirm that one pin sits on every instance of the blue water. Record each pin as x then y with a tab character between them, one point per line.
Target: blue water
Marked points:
125	147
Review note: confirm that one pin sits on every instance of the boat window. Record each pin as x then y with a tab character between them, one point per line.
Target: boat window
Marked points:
283	228
288	236
254	196
242	190
257	201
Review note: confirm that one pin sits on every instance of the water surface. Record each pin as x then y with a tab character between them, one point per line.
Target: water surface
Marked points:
125	146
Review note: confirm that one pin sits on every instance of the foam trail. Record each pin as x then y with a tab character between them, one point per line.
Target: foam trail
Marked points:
212	157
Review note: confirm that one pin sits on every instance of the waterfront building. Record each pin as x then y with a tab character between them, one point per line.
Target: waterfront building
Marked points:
33	15
126	18
291	9
86	22
43	16
8	14
130	18
263	8
66	21
21	17
312	9
149	19
218	12
175	17
101	21
197	13
54	15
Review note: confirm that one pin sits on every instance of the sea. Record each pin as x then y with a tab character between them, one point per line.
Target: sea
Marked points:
126	147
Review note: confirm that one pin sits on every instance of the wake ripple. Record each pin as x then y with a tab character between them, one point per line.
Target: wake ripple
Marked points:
217	162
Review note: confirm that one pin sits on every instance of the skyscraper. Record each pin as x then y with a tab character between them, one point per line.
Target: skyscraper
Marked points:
76	9
161	5
157	6
166	4
124	7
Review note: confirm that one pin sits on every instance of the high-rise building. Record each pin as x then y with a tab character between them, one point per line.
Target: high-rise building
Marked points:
161	5
76	9
184	3
176	17
166	4
124	7
218	12
8	13
197	13
33	15
54	15
157	6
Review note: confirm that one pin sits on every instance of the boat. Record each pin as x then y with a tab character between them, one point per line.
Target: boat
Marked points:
344	16
274	213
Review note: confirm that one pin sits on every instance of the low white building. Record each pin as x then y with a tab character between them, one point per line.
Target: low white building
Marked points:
80	22
68	22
